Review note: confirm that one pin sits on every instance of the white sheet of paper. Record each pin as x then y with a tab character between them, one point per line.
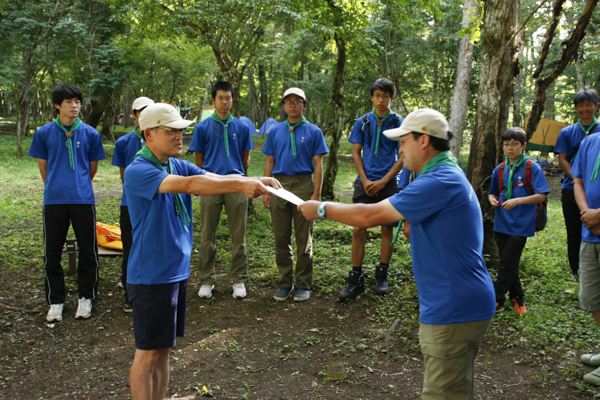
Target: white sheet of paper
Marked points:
286	195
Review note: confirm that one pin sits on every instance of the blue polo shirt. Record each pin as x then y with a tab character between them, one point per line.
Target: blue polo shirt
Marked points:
208	139
376	167
309	143
520	220
64	185
125	149
161	248
568	140
453	282
583	166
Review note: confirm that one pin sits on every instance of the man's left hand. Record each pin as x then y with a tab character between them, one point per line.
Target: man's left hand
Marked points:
309	209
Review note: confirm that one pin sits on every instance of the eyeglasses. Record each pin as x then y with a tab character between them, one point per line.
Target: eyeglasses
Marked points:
512	144
297	102
404	139
172	131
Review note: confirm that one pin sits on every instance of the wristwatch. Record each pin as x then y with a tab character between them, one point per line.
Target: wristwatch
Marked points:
321	210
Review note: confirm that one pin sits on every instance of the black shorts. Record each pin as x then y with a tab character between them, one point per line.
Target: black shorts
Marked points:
158	314
360	196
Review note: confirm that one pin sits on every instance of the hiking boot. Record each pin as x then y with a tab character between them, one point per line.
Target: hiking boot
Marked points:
127	307
302	293
84	309
55	312
205	291
519	305
239	291
356	285
381	284
283	293
499	307
575	276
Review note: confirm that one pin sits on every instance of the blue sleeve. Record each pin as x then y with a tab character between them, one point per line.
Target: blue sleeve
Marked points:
416	203
495	185
193	169
320	144
96	148
248	143
562	143
143	179
268	147
357	135
119	154
38	148
538	179
197	145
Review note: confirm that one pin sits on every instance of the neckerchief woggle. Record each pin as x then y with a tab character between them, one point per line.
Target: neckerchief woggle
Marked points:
511	170
587	131
229	119
444	157
148	155
292	136
380	122
69	135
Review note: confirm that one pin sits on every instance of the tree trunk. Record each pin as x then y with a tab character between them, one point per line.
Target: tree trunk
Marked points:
580	78
109	116
337	96
252	98
493	102
128	100
569	51
264	107
597	83
23	102
549	110
97	108
518	85
458	111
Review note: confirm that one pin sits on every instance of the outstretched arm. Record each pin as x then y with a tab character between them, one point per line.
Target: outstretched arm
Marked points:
209	184
359	215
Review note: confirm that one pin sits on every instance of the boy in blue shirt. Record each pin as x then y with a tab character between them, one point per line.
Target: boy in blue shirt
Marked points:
68	151
586	104
377	163
222	145
515	217
294	150
125	150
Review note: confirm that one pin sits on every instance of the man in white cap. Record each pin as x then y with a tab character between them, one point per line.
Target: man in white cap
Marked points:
125	150
456	294
294	150
158	187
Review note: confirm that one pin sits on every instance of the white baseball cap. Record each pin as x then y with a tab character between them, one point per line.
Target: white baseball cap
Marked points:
296	91
141	102
426	120
162	114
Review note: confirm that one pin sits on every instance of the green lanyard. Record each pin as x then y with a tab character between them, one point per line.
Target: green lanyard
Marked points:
511	171
69	134
380	122
148	155
292	136
445	157
225	125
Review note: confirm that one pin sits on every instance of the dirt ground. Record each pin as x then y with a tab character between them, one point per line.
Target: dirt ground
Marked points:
254	348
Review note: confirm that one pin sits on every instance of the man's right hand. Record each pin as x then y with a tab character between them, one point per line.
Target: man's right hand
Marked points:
255	187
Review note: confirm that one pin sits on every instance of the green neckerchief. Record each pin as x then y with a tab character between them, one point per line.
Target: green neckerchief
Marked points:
445	157
511	171
292	136
136	133
69	134
148	155
380	122
229	119
587	131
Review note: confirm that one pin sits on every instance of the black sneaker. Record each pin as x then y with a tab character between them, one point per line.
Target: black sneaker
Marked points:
127	307
381	285
356	285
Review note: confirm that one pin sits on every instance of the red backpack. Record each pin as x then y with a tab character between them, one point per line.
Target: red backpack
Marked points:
541	214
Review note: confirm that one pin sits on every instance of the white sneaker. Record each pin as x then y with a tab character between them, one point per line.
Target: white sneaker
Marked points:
55	312
239	291
205	291
84	310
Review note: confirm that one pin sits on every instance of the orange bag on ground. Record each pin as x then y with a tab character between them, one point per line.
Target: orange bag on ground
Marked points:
109	236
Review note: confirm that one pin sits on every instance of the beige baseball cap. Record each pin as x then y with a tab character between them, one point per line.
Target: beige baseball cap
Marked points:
162	114
426	120
296	91
141	103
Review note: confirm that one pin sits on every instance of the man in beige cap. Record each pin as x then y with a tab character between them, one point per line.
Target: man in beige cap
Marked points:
158	187
125	150
456	294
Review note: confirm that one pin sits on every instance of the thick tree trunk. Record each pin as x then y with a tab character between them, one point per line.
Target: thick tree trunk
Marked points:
23	102
549	109
458	112
252	98
493	102
97	108
127	100
109	115
518	85
337	96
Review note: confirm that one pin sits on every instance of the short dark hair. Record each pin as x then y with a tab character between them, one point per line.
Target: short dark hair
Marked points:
65	91
223	85
384	84
586	94
515	133
437	143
